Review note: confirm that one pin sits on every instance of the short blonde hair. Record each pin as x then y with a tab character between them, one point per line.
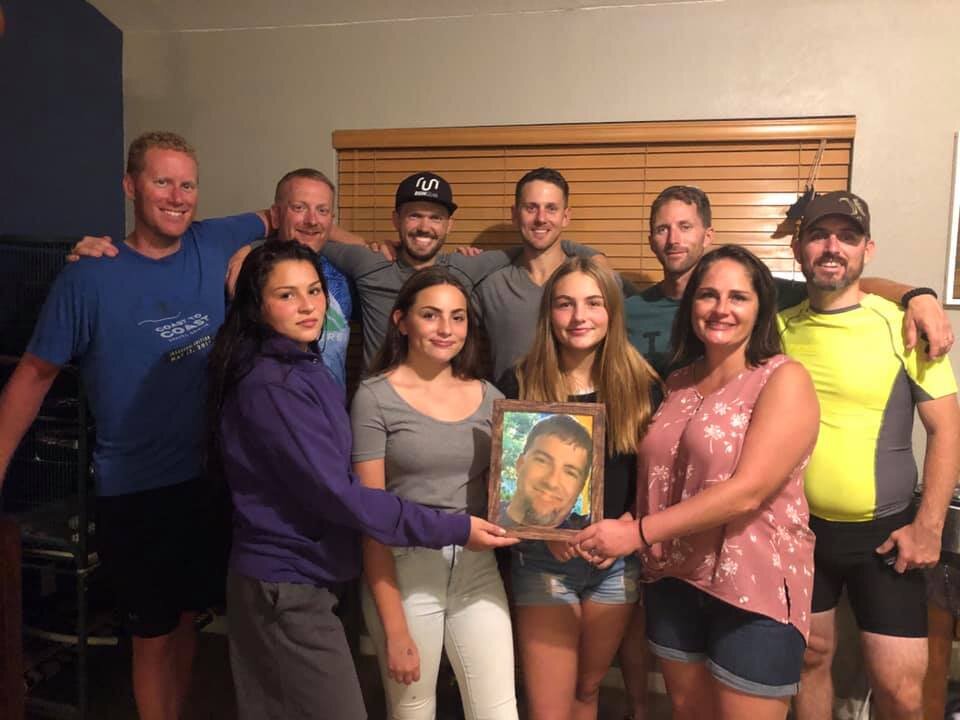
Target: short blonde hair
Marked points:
155	139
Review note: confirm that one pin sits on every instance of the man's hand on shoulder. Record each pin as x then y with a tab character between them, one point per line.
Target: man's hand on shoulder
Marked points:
233	269
385	249
469	250
339	234
925	316
92	246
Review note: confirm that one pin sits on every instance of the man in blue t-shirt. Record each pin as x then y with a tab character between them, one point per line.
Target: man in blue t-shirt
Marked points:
140	328
303	210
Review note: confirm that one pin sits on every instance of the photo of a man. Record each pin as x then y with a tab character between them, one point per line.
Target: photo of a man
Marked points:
551	473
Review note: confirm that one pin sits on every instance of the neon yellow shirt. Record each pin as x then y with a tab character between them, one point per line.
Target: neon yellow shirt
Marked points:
868	385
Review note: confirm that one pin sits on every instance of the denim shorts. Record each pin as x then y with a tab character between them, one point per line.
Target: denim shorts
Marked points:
538	578
745	651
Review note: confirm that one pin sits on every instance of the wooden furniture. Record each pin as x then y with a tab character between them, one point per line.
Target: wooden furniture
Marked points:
11	646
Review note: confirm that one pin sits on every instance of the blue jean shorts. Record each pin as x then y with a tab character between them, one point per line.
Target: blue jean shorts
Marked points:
745	651
538	578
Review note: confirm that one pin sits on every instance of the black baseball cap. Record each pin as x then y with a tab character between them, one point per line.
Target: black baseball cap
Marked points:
425	187
839	202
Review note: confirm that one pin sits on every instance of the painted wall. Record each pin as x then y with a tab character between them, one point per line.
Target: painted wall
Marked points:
258	102
61	122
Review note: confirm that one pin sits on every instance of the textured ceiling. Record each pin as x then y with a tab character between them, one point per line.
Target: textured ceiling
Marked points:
225	15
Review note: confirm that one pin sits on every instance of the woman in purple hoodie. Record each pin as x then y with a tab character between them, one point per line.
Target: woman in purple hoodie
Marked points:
280	438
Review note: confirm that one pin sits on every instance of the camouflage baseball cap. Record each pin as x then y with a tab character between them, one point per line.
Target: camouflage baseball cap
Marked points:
839	202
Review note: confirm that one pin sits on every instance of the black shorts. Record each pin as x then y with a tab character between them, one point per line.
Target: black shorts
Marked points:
164	552
883	601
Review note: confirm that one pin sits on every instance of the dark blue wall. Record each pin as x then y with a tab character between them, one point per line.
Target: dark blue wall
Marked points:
61	120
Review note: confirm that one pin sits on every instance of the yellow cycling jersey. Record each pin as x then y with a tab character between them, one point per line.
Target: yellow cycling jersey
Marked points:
868	385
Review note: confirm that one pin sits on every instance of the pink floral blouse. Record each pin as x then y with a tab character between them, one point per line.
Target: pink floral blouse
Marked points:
762	562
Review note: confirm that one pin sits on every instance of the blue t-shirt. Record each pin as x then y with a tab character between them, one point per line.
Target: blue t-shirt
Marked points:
140	330
336	326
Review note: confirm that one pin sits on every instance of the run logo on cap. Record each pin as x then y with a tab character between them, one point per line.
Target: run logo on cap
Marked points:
425	187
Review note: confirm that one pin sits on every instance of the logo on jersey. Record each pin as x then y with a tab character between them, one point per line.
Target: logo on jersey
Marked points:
173	329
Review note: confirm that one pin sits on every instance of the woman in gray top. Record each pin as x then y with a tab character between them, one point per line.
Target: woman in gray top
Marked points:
422	427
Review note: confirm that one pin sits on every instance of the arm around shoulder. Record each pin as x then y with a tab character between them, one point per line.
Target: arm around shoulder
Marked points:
477	267
352	259
924	315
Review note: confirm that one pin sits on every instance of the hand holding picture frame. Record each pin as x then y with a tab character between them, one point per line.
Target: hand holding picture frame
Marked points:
546	468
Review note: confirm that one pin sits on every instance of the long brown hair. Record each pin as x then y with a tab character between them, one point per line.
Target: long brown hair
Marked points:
468	364
622	378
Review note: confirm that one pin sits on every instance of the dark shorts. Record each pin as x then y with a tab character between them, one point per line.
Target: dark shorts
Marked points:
164	552
884	601
748	652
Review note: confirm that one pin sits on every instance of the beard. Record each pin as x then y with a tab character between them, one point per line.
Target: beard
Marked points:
852	273
418	255
532	516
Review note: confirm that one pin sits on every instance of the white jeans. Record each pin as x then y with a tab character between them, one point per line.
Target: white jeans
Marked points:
454	600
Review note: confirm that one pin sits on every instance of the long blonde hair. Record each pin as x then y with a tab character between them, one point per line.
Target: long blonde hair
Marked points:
622	378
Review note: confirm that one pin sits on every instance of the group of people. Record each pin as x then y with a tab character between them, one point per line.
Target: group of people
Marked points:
757	463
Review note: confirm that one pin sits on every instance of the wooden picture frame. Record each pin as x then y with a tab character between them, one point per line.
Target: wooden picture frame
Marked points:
527	495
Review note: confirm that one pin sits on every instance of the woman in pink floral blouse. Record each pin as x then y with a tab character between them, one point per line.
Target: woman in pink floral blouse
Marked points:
723	518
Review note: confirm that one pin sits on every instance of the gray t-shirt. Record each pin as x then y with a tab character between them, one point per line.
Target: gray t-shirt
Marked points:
439	464
509	302
378	281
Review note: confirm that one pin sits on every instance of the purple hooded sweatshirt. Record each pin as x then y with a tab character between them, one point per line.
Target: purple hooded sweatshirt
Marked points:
299	511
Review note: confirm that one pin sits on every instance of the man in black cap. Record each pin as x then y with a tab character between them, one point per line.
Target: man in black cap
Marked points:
861	477
423	217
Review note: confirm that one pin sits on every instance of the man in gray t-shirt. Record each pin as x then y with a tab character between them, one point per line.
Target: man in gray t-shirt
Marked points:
509	298
423	217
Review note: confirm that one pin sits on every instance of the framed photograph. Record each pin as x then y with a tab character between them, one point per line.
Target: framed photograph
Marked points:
546	468
951	297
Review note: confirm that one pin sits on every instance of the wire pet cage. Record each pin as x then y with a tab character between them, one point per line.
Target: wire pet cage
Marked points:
48	489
